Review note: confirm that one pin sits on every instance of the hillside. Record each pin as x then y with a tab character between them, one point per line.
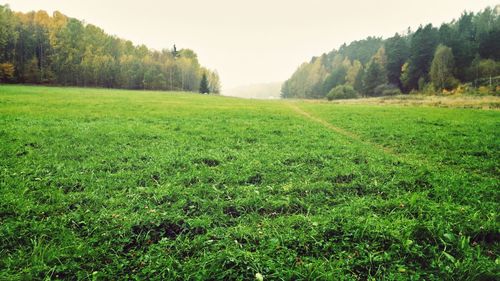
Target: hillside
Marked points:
429	59
37	48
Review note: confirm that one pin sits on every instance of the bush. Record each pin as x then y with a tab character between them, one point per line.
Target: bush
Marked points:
449	84
6	72
342	92
484	90
428	89
387	90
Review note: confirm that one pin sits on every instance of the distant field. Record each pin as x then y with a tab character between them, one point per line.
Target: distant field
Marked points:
109	184
453	101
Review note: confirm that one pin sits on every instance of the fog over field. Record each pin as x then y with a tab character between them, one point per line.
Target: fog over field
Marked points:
255	91
251	42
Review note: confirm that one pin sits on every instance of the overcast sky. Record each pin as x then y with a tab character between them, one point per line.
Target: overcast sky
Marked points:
254	41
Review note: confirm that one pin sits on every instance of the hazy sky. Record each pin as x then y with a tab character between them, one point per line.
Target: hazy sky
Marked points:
253	41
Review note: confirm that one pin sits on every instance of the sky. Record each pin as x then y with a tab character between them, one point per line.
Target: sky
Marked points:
254	41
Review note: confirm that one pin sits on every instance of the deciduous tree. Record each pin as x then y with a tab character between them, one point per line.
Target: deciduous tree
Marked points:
442	68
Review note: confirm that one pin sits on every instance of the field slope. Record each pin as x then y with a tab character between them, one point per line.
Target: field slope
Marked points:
106	184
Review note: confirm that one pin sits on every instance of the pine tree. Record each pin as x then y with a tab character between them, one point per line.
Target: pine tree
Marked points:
374	76
397	51
423	46
204	84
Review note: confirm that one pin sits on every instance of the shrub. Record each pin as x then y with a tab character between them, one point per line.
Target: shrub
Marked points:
6	72
484	90
342	92
462	89
449	84
387	90
428	89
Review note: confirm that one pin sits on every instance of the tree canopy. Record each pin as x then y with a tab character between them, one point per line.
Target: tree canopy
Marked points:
37	48
442	68
406	61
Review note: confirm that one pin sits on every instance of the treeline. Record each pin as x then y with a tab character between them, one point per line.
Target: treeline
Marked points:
37	48
464	50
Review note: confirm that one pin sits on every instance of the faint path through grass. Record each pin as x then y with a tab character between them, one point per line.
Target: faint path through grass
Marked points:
341	131
414	161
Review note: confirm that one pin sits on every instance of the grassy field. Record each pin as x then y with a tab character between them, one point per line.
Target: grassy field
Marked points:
106	184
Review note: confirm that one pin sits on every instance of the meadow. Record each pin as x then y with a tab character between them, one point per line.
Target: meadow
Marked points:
102	184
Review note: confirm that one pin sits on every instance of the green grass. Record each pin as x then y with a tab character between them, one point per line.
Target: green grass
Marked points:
108	184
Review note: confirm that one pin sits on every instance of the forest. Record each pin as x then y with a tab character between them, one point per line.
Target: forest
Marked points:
36	48
461	53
